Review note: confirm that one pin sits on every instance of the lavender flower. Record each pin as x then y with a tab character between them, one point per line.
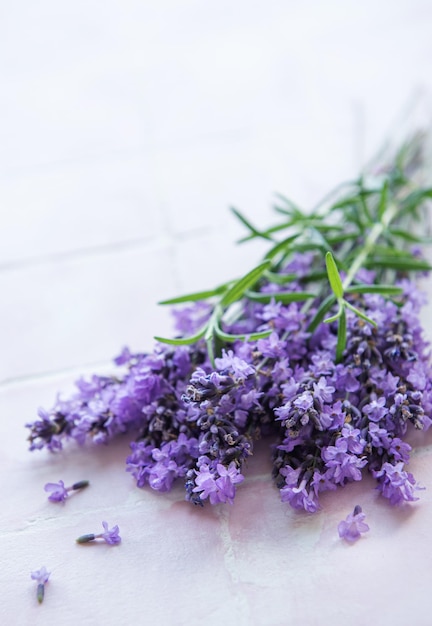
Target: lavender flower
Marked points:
41	576
395	483
111	537
58	492
218	485
353	526
337	398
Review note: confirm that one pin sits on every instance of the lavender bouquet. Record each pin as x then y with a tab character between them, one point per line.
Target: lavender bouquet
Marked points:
319	347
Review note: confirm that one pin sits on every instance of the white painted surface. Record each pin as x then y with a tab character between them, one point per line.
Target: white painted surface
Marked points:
127	129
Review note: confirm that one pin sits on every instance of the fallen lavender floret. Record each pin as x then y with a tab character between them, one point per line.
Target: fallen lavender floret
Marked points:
110	536
41	576
353	526
58	492
320	346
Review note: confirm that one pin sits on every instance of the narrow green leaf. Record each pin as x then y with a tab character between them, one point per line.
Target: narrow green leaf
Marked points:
361	314
321	227
291	209
383	201
236	291
364	206
255	232
337	239
333	276
280	279
211	349
229	338
395	232
199	295
352	200
400	265
388	290
183	341
313	277
309	245
415	198
266	234
341	336
324	307
334	318
391	251
280	209
345	202
281	246
279	296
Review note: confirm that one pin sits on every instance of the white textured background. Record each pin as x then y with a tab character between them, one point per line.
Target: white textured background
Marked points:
126	131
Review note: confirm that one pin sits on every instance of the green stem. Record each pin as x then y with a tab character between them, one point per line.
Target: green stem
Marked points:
369	244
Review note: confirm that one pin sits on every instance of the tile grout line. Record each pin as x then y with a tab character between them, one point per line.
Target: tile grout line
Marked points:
169	238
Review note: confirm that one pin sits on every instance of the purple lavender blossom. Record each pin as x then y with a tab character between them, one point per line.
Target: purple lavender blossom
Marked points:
196	421
300	497
110	536
353	526
342	465
376	409
217	485
395	483
237	367
58	492
41	576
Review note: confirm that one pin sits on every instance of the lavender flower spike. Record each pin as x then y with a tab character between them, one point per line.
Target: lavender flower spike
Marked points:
58	492
354	524
41	576
111	537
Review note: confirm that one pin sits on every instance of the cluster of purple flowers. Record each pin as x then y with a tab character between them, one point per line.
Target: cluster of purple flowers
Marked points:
329	421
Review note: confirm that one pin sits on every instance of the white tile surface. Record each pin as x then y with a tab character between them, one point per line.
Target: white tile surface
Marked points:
127	129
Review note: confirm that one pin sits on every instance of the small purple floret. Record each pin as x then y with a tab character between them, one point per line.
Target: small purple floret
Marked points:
112	536
41	575
353	526
57	491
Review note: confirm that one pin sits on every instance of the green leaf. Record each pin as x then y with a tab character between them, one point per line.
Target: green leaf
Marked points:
229	338
281	246
280	279
183	341
352	200
395	232
239	287
324	307
325	228
334	318
266	234
337	239
280	296
313	277
249	226
363	203
309	245
388	290
398	264
333	276
199	295
415	198
391	251
292	208
383	201
341	336
361	314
